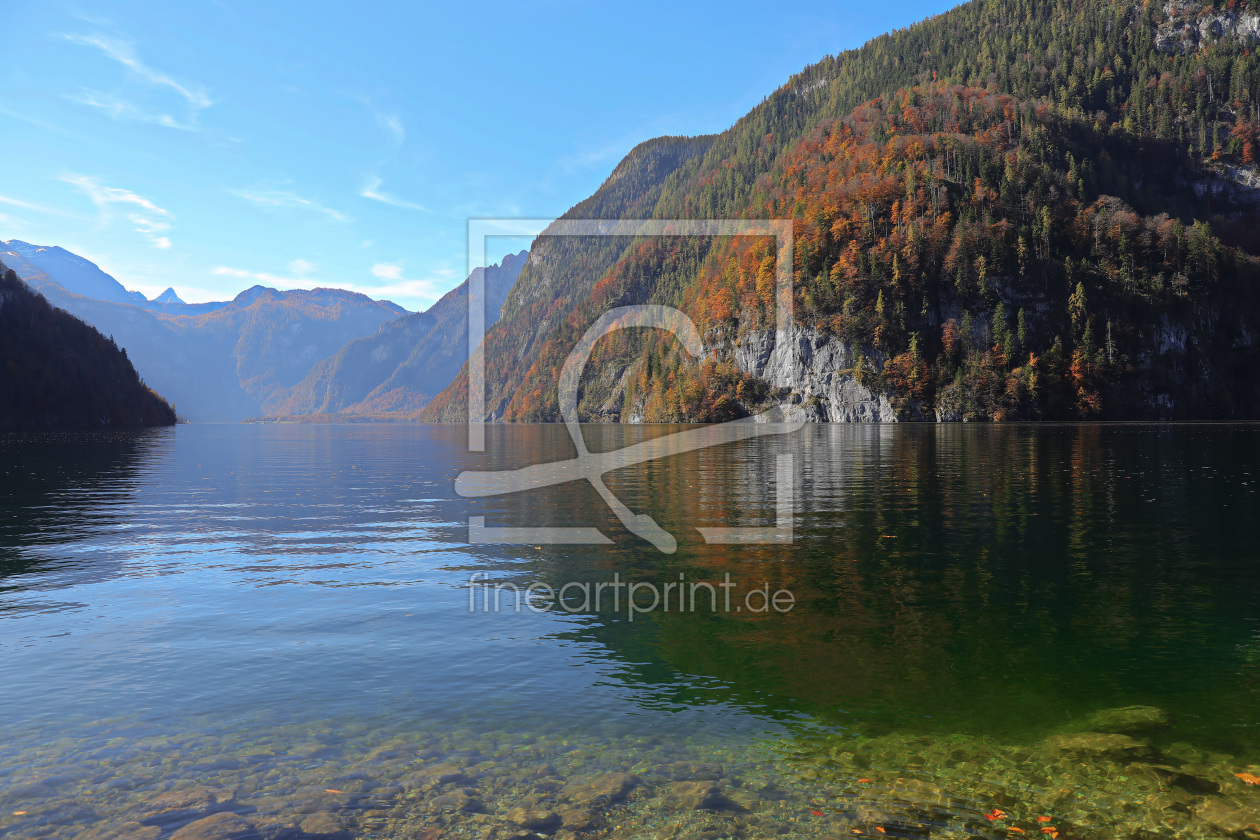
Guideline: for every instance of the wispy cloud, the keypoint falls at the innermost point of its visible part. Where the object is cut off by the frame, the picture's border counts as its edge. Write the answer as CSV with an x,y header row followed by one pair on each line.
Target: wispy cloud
x,y
589,158
150,220
88,18
388,271
392,123
46,126
38,208
372,189
303,275
297,278
123,109
122,51
287,199
400,286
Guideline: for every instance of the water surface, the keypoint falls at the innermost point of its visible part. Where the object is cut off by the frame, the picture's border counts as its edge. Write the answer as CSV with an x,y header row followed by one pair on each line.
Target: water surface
x,y
243,605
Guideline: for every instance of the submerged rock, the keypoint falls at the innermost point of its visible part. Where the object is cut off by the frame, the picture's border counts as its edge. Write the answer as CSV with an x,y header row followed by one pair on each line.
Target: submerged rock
x,y
177,806
534,818
221,826
324,825
694,796
918,792
437,774
458,800
1127,720
1099,744
692,771
1176,777
601,790
1222,814
125,831
580,819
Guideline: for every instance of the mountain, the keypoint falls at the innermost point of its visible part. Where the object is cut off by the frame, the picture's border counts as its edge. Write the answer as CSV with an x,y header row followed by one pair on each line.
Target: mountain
x,y
44,265
40,264
396,371
224,363
168,296
56,372
1041,209
561,271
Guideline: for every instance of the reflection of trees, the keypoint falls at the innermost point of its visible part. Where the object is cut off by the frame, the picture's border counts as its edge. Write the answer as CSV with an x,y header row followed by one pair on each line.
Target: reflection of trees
x,y
998,578
61,487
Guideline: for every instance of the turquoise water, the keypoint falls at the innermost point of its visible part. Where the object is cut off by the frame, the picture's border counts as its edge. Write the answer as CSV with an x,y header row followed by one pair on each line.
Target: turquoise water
x,y
258,606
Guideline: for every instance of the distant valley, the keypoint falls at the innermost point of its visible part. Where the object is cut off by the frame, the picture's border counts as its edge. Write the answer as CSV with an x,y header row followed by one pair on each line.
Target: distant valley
x,y
396,371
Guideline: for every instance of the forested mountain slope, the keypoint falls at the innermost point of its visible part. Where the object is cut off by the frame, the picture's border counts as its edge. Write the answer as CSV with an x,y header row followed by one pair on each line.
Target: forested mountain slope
x,y
1014,209
560,271
56,372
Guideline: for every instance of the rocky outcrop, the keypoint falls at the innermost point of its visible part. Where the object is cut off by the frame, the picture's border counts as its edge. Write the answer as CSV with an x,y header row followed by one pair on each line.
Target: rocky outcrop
x,y
1191,25
819,372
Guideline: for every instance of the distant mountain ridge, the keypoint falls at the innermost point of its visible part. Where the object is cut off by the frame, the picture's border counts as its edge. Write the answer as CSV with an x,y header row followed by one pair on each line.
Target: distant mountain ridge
x,y
57,372
396,371
226,363
218,361
39,264
271,353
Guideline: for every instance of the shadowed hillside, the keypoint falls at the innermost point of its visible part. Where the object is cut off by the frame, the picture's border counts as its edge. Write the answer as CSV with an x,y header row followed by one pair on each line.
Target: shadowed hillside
x,y
56,372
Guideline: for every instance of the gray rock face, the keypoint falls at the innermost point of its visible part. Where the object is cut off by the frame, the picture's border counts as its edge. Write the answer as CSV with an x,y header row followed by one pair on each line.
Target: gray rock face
x,y
1192,25
818,370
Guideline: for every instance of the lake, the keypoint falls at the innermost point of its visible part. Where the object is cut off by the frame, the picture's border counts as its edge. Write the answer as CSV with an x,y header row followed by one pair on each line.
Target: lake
x,y
270,630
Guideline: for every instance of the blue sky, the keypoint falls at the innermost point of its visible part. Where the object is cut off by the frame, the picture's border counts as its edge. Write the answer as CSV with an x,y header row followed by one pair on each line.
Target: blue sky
x,y
210,146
